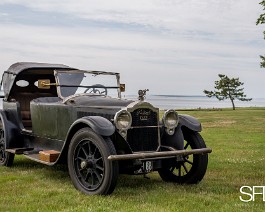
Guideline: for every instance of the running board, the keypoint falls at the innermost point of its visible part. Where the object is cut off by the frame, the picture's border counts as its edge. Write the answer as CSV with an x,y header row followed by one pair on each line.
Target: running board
x,y
36,157
19,151
157,155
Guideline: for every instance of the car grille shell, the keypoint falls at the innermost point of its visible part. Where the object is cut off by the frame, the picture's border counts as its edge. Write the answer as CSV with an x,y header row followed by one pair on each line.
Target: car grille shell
x,y
144,132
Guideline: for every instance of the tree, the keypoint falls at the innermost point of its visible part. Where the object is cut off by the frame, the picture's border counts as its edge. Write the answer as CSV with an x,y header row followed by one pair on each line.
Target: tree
x,y
227,88
261,20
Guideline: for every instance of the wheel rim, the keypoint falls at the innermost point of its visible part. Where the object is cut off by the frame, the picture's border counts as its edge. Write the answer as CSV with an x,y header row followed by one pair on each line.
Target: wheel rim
x,y
89,165
184,166
2,146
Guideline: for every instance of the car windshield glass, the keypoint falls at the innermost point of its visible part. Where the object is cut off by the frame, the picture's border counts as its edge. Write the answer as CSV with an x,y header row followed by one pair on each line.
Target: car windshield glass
x,y
93,83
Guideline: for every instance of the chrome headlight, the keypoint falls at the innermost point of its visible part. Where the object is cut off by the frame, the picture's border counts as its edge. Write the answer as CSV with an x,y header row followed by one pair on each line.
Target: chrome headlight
x,y
170,120
123,120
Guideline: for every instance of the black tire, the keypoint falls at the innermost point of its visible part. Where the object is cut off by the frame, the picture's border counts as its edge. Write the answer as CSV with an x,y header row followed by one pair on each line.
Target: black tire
x,y
6,158
193,167
89,169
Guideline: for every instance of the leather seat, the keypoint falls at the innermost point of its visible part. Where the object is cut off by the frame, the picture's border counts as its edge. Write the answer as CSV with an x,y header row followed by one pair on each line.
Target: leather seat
x,y
24,101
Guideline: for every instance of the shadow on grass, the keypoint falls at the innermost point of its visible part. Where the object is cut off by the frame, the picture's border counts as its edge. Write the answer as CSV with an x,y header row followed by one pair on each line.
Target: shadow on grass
x,y
58,172
133,185
130,185
24,163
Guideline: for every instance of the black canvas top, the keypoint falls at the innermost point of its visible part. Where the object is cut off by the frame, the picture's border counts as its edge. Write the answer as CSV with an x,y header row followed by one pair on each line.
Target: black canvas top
x,y
10,74
16,68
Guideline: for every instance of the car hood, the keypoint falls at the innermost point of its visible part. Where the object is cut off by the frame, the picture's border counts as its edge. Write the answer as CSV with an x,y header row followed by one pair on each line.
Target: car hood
x,y
98,101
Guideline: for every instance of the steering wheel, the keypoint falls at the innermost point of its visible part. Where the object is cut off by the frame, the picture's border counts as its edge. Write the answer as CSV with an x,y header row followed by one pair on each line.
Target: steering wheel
x,y
97,89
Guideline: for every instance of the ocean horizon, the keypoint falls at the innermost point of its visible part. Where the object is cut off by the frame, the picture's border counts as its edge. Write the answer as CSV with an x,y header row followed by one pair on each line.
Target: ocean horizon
x,y
195,102
192,102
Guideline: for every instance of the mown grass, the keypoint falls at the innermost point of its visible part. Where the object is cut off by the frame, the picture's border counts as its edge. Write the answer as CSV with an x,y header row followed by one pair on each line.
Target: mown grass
x,y
238,158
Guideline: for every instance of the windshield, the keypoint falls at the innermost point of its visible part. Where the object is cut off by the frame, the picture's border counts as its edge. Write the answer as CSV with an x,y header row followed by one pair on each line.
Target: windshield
x,y
92,83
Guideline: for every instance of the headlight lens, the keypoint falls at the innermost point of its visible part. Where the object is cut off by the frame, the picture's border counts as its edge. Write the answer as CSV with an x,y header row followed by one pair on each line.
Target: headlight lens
x,y
123,120
170,119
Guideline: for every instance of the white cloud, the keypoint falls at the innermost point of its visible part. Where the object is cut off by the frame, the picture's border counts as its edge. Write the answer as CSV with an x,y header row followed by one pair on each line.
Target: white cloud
x,y
179,45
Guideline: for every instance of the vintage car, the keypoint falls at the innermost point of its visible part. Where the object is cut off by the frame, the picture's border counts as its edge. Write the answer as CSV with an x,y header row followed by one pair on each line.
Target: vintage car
x,y
57,114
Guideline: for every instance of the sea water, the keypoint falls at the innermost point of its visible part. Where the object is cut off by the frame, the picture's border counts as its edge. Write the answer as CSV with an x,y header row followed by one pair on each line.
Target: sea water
x,y
196,102
192,102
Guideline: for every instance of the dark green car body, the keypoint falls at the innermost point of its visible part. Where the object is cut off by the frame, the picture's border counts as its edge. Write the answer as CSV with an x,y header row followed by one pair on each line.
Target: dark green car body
x,y
35,119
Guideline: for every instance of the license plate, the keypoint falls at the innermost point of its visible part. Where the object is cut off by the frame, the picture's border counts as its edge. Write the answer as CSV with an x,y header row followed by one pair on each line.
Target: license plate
x,y
147,166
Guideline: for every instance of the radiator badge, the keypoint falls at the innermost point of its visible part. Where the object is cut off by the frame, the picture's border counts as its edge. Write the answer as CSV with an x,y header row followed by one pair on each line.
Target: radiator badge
x,y
143,114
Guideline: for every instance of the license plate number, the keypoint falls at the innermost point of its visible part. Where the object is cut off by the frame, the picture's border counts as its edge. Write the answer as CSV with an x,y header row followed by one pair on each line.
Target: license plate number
x,y
147,166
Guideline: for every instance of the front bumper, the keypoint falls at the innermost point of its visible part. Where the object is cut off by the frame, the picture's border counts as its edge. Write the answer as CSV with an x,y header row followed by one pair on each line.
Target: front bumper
x,y
157,155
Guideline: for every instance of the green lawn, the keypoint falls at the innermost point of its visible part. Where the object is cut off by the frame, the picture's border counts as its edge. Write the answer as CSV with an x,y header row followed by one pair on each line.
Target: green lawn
x,y
238,158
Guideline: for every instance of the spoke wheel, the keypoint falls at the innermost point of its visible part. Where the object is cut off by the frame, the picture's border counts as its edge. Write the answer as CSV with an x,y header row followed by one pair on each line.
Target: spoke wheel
x,y
6,158
191,169
90,170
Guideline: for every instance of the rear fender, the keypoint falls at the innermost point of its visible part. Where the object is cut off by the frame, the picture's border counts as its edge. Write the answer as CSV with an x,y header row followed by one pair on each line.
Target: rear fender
x,y
12,135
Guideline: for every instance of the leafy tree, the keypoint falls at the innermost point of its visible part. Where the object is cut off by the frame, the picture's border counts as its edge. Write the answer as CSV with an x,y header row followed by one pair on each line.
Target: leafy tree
x,y
228,88
261,20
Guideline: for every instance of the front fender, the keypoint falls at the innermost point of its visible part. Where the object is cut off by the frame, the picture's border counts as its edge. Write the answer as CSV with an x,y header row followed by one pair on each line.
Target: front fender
x,y
177,139
190,122
100,125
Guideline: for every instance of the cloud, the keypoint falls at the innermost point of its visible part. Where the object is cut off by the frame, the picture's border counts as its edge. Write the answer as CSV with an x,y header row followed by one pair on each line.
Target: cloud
x,y
172,15
179,45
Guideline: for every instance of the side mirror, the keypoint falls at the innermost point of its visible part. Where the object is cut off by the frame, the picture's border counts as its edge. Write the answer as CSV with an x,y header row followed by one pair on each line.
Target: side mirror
x,y
45,84
122,87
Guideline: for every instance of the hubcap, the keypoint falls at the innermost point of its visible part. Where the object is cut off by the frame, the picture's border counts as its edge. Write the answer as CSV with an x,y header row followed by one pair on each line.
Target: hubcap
x,y
83,164
88,164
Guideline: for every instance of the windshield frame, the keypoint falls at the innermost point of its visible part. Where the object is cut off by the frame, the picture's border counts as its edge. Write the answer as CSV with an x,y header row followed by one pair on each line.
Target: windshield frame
x,y
56,72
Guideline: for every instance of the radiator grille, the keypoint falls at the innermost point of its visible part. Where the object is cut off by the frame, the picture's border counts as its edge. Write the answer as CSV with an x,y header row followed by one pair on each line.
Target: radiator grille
x,y
144,133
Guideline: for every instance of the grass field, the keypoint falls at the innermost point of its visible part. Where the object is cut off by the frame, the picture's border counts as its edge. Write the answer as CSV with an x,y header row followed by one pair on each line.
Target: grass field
x,y
238,158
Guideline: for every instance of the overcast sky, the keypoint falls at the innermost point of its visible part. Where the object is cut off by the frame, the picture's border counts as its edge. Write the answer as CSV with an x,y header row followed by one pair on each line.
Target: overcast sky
x,y
175,47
